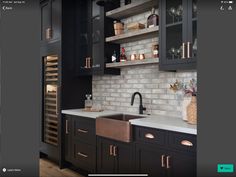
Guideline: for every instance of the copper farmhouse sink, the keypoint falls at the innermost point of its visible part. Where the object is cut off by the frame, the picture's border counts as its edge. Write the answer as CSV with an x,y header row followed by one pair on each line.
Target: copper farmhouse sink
x,y
116,126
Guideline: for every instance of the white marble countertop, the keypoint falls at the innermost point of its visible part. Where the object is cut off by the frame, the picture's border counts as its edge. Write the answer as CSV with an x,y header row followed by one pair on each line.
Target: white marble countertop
x,y
93,115
152,121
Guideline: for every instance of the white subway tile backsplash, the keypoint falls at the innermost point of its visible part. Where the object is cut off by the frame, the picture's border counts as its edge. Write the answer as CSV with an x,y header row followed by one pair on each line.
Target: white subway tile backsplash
x,y
114,92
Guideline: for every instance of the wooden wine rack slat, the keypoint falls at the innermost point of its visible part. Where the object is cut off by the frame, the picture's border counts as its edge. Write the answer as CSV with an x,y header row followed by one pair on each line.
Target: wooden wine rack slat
x,y
51,100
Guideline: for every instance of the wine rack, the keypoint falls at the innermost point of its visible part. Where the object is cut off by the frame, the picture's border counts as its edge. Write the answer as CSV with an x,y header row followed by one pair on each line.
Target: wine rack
x,y
51,100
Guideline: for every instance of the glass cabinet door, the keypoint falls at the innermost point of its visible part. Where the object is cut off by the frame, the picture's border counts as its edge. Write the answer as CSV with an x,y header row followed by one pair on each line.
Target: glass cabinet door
x,y
97,37
175,30
192,39
83,25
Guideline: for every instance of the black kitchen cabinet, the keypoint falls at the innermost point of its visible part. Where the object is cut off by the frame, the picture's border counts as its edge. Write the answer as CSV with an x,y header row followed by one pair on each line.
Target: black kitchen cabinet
x,y
114,157
83,38
50,21
61,87
80,142
106,160
60,90
67,130
93,27
164,153
178,34
149,160
181,164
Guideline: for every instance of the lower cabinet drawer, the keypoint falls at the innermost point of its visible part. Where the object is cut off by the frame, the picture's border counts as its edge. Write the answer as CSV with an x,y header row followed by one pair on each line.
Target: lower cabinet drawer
x,y
84,156
84,130
150,135
183,142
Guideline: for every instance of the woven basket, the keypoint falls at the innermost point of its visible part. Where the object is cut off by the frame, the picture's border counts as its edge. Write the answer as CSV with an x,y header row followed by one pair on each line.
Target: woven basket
x,y
192,111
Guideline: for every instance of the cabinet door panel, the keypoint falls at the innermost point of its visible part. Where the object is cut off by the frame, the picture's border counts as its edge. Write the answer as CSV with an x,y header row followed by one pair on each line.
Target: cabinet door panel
x,y
125,158
84,156
192,29
98,44
45,18
149,160
106,161
175,29
83,36
84,130
67,134
176,35
51,20
56,19
182,165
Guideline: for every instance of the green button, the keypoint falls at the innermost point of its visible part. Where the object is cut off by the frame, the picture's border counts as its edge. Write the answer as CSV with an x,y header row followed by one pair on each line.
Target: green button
x,y
225,168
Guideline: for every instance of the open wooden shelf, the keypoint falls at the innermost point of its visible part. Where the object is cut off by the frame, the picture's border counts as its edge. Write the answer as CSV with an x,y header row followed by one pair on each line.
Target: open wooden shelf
x,y
132,9
134,35
133,63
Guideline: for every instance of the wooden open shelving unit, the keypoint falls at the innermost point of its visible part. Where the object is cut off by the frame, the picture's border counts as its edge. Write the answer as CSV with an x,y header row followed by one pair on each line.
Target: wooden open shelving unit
x,y
129,10
134,35
133,63
132,9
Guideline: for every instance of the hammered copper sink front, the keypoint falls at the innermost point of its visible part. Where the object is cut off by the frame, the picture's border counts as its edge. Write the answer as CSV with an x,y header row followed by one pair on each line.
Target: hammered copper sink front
x,y
116,126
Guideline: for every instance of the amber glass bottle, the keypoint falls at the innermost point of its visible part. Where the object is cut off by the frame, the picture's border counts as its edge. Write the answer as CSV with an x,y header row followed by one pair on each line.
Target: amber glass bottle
x,y
122,55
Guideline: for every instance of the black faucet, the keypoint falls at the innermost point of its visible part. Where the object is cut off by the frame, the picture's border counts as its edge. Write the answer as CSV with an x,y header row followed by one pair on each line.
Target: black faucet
x,y
141,108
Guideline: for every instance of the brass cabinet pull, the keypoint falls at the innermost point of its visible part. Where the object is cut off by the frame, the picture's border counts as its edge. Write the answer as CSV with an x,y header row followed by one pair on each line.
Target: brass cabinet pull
x,y
186,143
149,136
82,155
67,131
82,131
183,51
88,63
114,150
111,150
48,33
189,50
162,161
168,162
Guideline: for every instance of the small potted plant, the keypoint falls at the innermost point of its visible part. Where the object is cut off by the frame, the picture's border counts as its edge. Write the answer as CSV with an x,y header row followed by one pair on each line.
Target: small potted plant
x,y
191,88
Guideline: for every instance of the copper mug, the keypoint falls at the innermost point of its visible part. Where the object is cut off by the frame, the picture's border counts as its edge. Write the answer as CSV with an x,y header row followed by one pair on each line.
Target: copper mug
x,y
141,56
133,57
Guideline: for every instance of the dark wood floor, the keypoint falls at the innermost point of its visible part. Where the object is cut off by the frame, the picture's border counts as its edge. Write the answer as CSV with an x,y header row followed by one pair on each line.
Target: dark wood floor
x,y
50,169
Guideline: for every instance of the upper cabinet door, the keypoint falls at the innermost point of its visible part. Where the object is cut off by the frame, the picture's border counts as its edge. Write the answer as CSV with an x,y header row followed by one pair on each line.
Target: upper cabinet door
x,y
176,34
50,20
45,19
97,38
192,30
83,44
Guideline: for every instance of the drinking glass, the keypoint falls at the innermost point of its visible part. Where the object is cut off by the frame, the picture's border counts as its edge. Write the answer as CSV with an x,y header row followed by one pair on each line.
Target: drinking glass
x,y
172,52
172,13
179,12
194,9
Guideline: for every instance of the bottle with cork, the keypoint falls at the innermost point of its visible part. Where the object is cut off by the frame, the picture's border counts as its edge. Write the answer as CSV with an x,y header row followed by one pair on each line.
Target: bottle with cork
x,y
153,19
